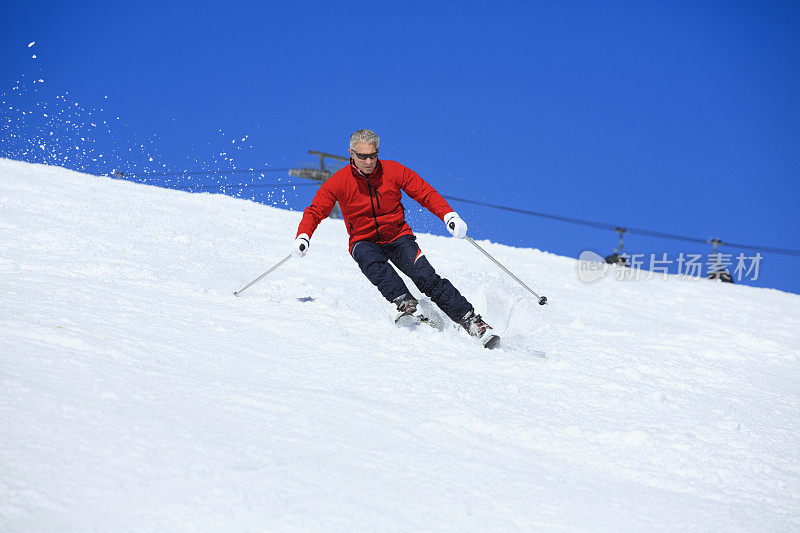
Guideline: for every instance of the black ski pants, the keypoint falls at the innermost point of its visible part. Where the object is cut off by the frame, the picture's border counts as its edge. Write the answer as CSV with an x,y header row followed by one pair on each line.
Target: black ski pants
x,y
373,259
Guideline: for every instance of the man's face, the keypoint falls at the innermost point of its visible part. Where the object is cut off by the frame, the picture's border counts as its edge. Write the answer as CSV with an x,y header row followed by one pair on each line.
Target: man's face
x,y
367,165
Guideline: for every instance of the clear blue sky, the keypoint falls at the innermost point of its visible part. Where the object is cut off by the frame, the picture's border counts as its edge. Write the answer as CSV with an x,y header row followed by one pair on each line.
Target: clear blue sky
x,y
680,117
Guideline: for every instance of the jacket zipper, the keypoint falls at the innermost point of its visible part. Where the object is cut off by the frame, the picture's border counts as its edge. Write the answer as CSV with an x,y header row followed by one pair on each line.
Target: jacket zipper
x,y
374,216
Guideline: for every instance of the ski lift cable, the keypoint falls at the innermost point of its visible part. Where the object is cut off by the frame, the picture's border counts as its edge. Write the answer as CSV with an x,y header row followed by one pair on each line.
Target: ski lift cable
x,y
638,231
215,187
190,173
572,220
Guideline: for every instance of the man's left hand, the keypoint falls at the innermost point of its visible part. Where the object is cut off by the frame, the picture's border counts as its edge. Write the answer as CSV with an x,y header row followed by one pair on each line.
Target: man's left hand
x,y
456,226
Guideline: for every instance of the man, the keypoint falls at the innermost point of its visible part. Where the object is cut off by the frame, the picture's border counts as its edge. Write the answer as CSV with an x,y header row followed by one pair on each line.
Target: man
x,y
369,192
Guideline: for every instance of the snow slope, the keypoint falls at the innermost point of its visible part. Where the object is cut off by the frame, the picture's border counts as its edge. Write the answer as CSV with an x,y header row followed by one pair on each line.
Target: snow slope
x,y
137,393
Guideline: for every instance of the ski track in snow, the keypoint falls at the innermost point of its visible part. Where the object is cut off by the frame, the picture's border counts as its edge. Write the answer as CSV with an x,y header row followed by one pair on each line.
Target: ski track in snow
x,y
139,394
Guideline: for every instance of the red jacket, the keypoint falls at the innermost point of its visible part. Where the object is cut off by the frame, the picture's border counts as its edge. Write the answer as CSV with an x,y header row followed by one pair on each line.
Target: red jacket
x,y
371,205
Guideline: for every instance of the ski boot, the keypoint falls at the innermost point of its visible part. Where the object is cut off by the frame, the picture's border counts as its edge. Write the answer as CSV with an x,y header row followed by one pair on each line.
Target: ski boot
x,y
407,314
479,329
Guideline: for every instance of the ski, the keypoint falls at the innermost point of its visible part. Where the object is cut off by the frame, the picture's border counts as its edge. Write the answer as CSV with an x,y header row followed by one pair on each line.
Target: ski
x,y
491,341
412,320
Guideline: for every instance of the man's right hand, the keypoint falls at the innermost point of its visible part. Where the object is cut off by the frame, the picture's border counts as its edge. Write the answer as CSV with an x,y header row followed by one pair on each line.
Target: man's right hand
x,y
300,246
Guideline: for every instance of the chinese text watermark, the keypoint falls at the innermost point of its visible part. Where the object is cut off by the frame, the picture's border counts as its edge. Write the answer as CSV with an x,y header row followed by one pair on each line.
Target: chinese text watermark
x,y
592,267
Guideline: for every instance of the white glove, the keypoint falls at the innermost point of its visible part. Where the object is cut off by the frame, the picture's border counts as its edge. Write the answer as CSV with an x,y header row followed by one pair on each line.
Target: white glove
x,y
456,226
300,246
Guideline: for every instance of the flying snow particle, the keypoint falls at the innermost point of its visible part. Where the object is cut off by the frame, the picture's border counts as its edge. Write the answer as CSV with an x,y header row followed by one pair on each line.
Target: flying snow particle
x,y
33,56
31,44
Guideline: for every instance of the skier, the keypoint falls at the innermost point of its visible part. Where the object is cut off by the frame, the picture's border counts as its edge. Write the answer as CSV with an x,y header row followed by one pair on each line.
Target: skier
x,y
369,192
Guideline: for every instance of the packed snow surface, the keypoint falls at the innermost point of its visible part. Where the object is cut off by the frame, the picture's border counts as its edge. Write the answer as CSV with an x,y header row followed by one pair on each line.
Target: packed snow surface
x,y
139,394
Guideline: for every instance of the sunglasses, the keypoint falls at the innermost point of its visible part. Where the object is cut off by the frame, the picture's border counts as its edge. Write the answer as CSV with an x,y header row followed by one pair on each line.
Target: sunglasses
x,y
363,157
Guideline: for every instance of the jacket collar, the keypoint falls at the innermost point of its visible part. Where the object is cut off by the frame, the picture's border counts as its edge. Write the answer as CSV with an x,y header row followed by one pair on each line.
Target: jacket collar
x,y
357,173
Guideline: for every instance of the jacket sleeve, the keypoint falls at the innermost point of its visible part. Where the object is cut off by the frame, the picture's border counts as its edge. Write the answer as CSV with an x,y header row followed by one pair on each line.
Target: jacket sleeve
x,y
421,191
321,206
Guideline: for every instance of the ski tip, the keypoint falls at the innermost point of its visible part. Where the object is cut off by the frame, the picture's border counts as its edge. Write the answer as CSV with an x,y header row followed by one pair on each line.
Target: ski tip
x,y
492,342
406,320
409,320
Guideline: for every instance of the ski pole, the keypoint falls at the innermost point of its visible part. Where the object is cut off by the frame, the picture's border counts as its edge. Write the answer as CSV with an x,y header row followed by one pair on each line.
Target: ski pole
x,y
262,276
542,299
